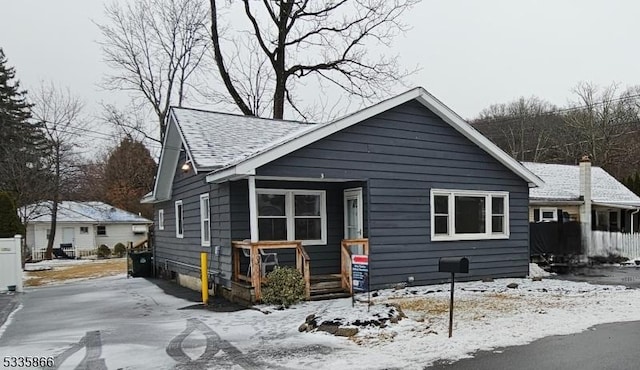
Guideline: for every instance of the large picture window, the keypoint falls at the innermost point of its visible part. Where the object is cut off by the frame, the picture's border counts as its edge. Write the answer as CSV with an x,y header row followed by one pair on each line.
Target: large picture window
x,y
205,220
179,220
292,215
469,215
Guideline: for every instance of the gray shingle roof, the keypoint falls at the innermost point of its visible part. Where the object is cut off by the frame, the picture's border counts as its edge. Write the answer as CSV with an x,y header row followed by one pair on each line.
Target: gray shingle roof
x,y
217,140
562,182
83,212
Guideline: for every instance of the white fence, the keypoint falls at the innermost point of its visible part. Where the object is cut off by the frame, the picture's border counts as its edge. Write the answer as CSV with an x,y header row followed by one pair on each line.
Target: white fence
x,y
38,254
11,264
606,243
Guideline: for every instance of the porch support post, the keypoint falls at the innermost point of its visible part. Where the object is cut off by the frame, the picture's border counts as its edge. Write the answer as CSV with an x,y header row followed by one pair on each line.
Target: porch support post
x,y
253,210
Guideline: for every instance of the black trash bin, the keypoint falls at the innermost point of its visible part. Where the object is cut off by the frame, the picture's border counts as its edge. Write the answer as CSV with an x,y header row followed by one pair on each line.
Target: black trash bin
x,y
141,264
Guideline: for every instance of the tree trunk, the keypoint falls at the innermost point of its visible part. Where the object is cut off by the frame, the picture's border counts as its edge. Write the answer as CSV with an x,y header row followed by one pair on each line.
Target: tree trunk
x,y
54,208
279,94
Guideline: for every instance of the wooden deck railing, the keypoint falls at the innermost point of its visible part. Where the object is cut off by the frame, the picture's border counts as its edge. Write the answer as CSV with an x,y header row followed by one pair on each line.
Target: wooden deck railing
x,y
256,279
345,256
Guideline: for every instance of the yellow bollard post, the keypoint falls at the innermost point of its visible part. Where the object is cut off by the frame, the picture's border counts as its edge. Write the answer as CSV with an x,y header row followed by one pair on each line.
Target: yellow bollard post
x,y
204,277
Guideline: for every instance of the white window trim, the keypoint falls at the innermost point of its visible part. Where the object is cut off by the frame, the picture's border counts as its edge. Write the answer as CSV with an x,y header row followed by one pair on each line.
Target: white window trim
x,y
451,236
290,211
553,211
178,218
161,219
205,216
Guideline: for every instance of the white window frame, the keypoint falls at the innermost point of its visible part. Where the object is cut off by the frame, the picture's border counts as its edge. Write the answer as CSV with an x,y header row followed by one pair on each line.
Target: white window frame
x,y
161,219
554,212
289,200
98,230
488,234
179,219
205,217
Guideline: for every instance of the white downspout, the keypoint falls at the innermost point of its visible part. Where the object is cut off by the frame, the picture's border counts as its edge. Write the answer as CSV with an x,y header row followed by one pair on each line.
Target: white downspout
x,y
633,213
585,209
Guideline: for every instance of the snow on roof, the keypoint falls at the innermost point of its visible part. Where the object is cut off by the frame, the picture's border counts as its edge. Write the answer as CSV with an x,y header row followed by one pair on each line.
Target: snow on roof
x,y
216,140
92,212
562,182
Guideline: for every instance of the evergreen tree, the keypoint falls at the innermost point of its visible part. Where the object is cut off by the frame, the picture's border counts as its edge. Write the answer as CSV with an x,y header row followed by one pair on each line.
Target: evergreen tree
x,y
10,224
23,141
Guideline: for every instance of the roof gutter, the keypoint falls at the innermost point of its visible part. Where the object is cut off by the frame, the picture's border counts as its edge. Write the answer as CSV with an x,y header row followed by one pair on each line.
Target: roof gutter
x,y
228,174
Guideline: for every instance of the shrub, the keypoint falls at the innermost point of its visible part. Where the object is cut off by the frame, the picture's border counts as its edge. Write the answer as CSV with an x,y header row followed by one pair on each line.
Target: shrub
x,y
285,286
103,251
119,250
10,224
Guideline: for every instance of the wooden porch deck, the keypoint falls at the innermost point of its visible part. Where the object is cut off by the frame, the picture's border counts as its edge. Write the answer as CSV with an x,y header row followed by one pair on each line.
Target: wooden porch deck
x,y
317,287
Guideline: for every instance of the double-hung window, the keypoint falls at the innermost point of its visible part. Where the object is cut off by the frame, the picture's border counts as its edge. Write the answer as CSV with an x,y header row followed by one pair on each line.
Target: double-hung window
x,y
292,215
179,220
469,215
205,220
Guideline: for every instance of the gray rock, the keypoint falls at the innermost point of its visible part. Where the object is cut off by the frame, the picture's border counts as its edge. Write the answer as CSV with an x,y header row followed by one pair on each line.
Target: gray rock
x,y
512,285
346,332
304,327
331,329
487,280
536,278
311,318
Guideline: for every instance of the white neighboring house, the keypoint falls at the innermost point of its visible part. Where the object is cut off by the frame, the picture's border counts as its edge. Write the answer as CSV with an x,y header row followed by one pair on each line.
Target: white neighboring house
x,y
83,226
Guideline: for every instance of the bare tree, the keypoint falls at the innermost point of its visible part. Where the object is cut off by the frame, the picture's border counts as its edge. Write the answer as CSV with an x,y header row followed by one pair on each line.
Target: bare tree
x,y
155,47
297,39
60,114
524,128
600,124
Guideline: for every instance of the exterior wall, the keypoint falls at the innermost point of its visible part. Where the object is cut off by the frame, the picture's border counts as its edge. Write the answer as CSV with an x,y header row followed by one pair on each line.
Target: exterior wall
x,y
325,259
574,211
403,153
182,255
116,233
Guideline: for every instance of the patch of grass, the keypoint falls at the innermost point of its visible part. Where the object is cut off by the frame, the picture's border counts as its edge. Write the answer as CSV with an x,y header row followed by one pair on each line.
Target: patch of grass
x,y
496,302
89,270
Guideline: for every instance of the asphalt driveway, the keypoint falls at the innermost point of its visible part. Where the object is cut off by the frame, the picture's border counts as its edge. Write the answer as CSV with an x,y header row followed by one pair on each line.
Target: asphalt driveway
x,y
628,276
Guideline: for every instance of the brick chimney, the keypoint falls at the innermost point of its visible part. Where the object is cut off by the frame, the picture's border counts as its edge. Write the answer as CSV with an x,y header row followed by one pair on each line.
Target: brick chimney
x,y
585,208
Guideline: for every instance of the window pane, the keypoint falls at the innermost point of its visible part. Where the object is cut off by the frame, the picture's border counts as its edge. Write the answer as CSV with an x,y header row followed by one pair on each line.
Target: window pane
x,y
206,230
497,224
307,205
272,228
308,229
271,204
497,205
547,215
179,216
470,215
441,225
441,204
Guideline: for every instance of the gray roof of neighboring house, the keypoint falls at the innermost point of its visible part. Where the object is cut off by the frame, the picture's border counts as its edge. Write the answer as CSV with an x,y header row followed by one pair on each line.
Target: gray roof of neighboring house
x,y
83,212
216,140
562,183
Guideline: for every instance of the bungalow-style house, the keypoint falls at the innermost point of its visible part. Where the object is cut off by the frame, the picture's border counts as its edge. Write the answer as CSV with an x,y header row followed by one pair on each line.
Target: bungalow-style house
x,y
406,181
563,197
604,211
81,227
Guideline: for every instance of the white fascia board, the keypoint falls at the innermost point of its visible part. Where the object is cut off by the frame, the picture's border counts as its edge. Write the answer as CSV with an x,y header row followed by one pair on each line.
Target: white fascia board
x,y
230,173
184,143
168,161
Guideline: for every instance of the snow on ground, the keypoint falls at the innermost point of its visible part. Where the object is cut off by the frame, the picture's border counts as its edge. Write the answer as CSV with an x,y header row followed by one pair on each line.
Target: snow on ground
x,y
537,271
488,315
55,263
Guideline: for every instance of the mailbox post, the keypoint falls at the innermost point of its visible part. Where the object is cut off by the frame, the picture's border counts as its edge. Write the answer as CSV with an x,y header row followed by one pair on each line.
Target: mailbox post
x,y
453,265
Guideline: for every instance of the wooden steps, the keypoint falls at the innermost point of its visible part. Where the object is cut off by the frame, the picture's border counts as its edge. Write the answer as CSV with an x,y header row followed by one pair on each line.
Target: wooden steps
x,y
327,287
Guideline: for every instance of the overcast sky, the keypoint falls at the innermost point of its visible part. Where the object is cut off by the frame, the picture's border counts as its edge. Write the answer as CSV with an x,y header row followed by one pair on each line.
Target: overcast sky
x,y
472,53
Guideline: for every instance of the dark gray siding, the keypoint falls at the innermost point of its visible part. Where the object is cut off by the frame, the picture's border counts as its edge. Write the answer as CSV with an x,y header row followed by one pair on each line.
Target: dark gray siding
x,y
182,255
402,154
325,259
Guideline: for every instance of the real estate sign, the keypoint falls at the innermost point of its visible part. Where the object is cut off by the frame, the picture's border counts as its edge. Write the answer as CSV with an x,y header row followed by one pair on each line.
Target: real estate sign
x,y
360,273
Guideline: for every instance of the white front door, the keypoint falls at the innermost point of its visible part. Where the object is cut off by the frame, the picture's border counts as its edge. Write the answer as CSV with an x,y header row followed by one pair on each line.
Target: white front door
x,y
67,235
353,214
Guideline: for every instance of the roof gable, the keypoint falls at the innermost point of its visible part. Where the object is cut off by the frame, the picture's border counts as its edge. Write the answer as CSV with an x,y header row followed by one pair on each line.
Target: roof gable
x,y
246,166
562,183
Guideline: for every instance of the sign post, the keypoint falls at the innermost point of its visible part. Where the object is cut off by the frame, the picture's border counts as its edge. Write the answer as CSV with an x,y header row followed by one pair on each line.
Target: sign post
x,y
360,276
